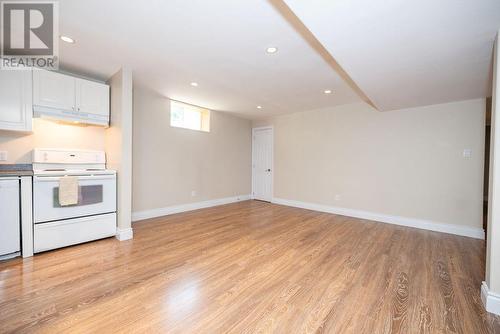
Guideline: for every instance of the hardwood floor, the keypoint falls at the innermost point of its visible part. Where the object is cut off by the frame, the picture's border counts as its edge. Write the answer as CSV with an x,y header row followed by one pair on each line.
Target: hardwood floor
x,y
252,267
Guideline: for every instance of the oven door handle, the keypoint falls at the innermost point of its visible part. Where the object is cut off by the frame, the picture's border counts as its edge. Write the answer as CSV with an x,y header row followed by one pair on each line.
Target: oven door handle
x,y
80,178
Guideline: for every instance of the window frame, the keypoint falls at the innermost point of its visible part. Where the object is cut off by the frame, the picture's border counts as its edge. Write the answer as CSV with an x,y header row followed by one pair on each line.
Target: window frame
x,y
204,115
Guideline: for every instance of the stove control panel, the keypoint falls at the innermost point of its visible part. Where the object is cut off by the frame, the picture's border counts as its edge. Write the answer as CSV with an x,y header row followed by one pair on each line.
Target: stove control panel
x,y
58,156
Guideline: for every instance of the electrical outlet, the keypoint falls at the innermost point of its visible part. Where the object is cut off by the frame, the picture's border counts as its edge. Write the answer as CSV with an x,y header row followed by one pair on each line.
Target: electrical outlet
x,y
3,155
193,193
467,153
338,197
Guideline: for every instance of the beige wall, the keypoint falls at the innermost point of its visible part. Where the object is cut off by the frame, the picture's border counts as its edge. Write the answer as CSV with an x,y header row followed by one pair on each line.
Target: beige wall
x,y
49,134
169,163
404,163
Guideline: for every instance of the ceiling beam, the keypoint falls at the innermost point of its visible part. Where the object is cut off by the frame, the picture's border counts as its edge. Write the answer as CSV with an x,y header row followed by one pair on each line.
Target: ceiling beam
x,y
309,37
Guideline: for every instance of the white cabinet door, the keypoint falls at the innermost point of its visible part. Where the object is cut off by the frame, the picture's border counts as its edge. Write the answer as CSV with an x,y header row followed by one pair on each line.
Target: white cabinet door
x,y
53,90
10,221
92,97
15,100
68,98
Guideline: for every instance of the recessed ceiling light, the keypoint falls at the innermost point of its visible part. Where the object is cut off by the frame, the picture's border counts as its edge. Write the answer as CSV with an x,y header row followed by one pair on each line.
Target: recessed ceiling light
x,y
194,84
67,39
259,107
272,49
327,91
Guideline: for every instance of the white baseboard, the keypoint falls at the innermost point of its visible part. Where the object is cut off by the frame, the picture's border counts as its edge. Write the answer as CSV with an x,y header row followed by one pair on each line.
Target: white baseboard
x,y
169,210
477,233
9,256
491,301
124,234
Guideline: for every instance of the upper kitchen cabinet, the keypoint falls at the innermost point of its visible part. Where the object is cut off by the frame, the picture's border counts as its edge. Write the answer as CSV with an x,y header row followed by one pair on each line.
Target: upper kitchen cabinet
x,y
92,97
69,98
53,90
15,100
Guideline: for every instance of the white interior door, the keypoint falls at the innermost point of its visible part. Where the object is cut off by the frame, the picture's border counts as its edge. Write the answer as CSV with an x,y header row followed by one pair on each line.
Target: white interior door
x,y
262,164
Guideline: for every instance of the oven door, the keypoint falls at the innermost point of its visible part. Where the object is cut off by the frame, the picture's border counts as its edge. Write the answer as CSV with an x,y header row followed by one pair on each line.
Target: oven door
x,y
96,195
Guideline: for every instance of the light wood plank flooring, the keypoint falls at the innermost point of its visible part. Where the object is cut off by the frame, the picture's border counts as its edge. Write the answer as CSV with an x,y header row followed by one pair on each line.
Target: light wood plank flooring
x,y
252,267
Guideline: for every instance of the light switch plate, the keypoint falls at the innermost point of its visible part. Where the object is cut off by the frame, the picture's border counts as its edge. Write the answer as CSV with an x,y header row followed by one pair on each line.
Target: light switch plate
x,y
467,153
3,155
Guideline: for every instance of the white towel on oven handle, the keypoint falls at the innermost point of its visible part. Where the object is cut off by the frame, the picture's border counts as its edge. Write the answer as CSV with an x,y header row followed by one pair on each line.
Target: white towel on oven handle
x,y
68,190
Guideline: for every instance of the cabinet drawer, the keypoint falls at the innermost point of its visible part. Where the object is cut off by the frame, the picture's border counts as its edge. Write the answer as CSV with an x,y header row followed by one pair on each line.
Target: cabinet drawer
x,y
64,233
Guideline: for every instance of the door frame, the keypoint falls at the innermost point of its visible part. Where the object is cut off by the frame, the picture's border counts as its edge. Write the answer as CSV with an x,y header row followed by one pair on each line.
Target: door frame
x,y
271,200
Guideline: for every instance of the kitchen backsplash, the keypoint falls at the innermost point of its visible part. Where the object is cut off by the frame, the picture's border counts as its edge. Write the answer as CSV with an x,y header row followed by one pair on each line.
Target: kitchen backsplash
x,y
49,134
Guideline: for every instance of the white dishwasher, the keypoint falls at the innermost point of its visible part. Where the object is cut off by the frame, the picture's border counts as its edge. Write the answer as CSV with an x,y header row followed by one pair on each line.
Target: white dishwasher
x,y
10,211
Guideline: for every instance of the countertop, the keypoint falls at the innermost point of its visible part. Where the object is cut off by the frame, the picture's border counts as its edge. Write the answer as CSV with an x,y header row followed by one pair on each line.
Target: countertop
x,y
16,170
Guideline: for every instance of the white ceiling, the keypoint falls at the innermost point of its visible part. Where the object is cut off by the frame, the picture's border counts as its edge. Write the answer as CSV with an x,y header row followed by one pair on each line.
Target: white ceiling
x,y
220,44
399,53
408,53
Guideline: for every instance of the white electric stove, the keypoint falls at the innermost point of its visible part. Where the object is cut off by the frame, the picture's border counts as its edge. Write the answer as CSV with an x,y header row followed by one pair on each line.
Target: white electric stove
x,y
93,217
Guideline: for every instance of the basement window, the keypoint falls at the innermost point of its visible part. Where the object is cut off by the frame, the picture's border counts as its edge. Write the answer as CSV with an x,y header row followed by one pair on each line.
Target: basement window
x,y
187,116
